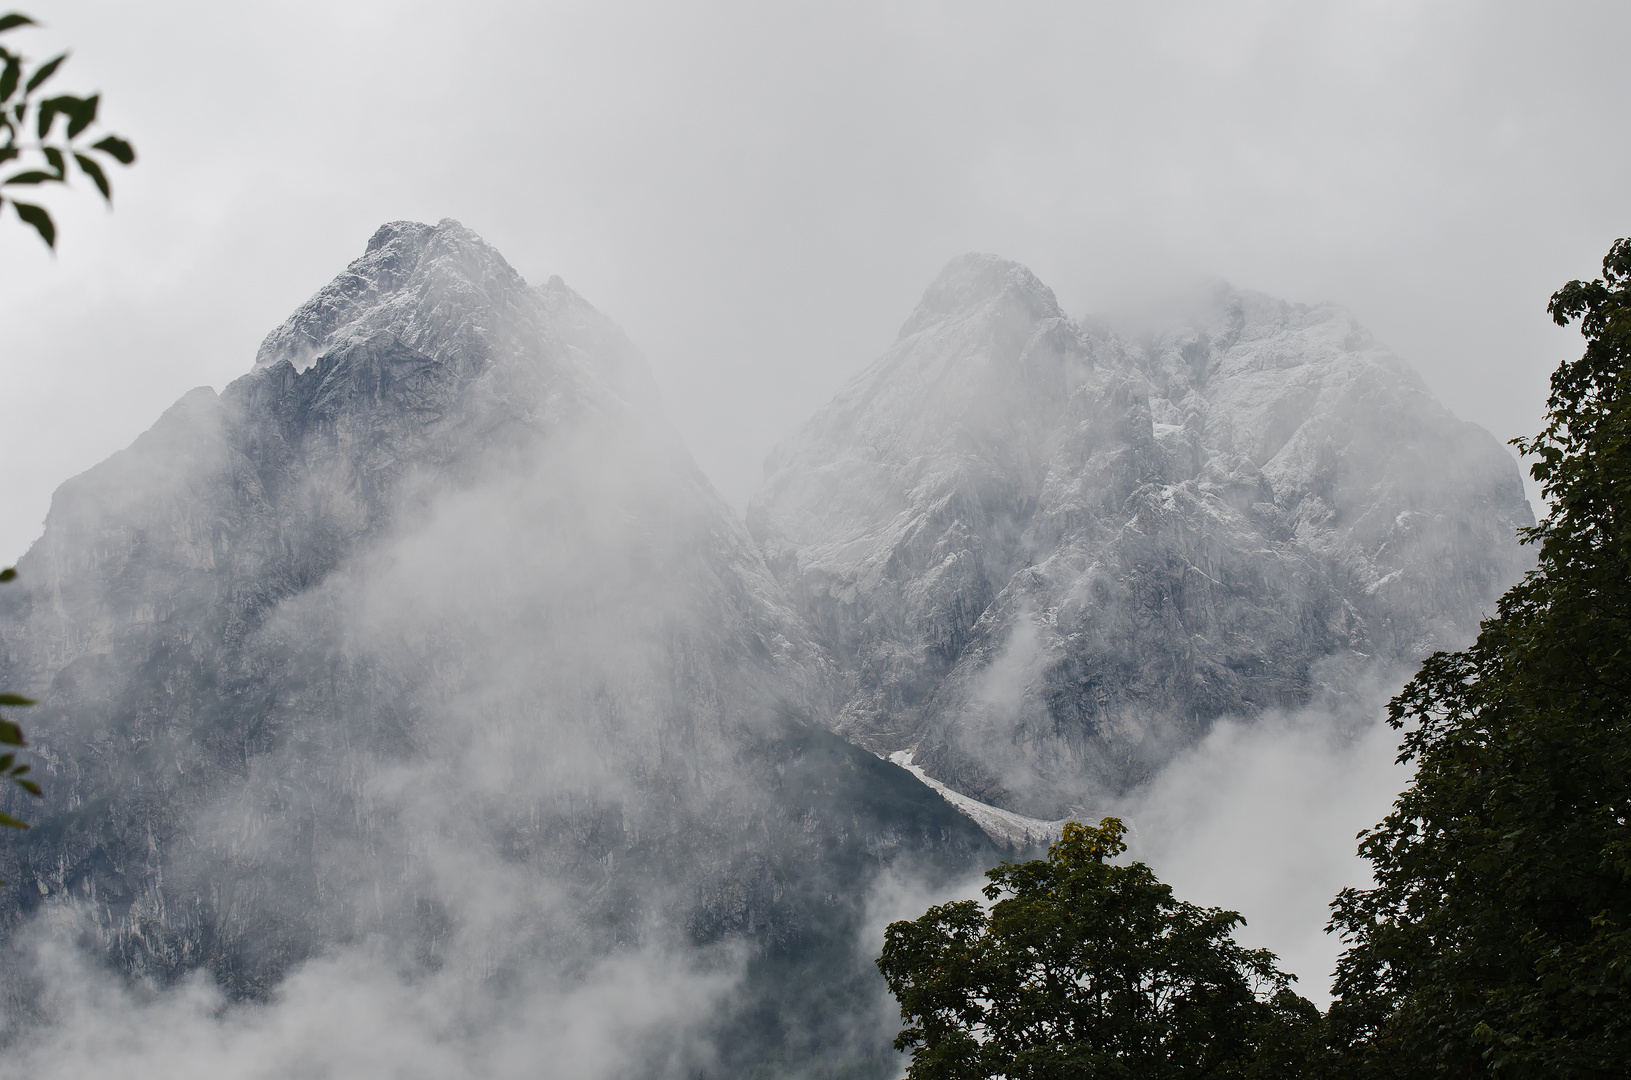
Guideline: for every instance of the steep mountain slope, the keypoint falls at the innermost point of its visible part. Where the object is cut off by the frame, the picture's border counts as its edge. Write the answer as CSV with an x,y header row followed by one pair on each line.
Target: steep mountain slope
x,y
1047,557
427,638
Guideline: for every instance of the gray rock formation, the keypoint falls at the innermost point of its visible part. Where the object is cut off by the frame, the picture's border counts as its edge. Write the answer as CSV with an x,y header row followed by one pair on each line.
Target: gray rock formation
x,y
426,643
1046,557
426,636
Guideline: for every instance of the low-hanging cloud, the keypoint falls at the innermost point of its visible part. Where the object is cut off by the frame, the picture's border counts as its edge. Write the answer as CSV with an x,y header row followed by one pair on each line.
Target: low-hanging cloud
x,y
355,1014
1261,817
461,862
460,727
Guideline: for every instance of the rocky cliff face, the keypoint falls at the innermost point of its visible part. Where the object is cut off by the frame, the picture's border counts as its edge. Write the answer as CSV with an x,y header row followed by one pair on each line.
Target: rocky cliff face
x,y
1047,557
426,643
427,636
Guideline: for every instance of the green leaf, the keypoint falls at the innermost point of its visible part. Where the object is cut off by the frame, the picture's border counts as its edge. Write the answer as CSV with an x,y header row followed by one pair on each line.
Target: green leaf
x,y
117,148
7,761
32,176
83,116
31,787
1489,944
37,217
16,699
79,111
47,116
44,72
8,78
11,734
9,822
14,20
8,574
90,168
53,155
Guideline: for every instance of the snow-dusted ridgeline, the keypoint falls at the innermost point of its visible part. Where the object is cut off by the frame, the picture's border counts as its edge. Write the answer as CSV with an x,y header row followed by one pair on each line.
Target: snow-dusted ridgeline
x,y
1048,556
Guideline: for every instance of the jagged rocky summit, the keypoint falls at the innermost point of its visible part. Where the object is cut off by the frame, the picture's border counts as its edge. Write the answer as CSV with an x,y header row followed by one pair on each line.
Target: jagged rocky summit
x,y
1046,556
426,638
425,645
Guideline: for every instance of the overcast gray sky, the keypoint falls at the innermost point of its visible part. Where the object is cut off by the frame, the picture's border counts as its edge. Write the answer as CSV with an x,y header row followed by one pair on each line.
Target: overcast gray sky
x,y
759,192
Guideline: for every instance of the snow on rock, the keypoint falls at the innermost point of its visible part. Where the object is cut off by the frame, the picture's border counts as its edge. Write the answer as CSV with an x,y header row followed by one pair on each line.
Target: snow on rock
x,y
427,632
1047,556
1015,832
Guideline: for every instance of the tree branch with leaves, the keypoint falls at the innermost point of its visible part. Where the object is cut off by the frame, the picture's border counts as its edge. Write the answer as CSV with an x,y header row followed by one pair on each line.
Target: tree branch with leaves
x,y
61,126
1497,938
1080,968
45,134
11,740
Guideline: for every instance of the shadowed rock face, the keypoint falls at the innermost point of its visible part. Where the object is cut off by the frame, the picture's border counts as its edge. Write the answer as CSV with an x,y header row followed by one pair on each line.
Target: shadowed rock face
x,y
1047,557
427,635
426,640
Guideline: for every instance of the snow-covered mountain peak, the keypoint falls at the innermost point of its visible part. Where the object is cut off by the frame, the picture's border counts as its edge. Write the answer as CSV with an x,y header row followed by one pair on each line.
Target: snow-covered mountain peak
x,y
1050,557
425,633
445,294
408,280
976,284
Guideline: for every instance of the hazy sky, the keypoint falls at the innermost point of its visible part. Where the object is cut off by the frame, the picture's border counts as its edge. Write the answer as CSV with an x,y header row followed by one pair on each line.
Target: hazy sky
x,y
759,192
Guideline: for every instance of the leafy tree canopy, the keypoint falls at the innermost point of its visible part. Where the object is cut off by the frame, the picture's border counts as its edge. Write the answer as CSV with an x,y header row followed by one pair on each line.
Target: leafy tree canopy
x,y
1083,968
47,135
52,146
1497,940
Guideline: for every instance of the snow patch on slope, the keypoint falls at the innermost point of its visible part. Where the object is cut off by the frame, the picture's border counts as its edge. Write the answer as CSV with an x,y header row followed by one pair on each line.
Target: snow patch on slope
x,y
1007,828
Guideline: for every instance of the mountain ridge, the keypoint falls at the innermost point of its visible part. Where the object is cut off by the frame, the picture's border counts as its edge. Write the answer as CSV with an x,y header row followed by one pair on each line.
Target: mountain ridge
x,y
426,640
1001,461
428,633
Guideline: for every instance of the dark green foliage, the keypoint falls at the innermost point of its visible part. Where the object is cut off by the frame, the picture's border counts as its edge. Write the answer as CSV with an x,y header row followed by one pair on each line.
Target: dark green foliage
x,y
54,149
1497,940
11,735
1087,969
78,115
